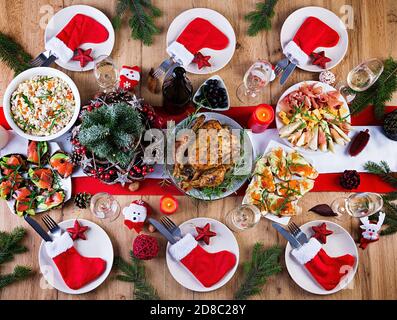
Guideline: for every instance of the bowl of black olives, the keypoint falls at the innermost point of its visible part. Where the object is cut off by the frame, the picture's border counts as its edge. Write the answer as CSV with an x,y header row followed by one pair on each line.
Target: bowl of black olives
x,y
212,95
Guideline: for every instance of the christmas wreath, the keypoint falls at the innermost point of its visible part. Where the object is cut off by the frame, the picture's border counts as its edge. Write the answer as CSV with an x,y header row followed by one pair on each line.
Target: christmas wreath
x,y
108,140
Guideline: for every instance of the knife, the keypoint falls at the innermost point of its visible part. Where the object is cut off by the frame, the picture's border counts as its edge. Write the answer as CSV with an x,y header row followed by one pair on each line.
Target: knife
x,y
38,228
288,71
168,235
291,239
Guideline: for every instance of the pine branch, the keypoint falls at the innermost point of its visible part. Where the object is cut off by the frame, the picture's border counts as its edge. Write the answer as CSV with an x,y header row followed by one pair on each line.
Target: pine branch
x,y
383,171
13,55
19,273
134,272
260,19
380,93
10,244
263,264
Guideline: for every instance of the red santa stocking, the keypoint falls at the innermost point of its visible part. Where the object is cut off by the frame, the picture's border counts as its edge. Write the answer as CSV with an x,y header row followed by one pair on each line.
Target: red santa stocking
x,y
326,270
208,268
198,34
312,34
76,270
79,30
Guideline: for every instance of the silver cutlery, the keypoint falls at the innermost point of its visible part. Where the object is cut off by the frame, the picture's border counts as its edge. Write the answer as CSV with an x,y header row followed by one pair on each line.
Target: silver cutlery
x,y
288,71
52,226
288,236
44,59
163,68
297,233
171,226
163,230
38,228
280,66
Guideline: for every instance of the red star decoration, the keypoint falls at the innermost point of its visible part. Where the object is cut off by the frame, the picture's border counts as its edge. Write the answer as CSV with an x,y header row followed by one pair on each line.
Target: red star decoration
x,y
205,234
77,232
202,61
321,233
319,59
83,56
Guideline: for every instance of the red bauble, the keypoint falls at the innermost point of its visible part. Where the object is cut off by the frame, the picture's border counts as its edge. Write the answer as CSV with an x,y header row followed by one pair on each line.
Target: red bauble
x,y
77,232
145,247
321,233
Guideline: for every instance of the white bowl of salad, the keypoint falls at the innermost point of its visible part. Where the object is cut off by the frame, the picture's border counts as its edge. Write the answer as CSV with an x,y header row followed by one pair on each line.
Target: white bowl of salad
x,y
41,104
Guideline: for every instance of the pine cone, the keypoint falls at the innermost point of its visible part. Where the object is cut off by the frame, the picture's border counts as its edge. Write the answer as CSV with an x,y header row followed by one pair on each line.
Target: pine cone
x,y
76,158
350,179
390,125
82,199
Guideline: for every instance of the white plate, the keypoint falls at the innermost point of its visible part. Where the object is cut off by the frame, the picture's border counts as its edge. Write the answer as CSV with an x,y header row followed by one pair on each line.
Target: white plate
x,y
224,240
326,88
19,145
219,58
295,20
27,75
61,19
338,244
97,245
221,85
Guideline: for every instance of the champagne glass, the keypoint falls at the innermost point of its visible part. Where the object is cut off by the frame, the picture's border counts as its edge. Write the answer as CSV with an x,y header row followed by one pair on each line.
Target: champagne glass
x,y
243,217
106,73
104,206
361,78
255,80
358,205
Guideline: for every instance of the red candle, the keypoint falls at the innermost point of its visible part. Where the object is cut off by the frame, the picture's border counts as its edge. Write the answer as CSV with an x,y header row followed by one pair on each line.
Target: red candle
x,y
261,118
168,204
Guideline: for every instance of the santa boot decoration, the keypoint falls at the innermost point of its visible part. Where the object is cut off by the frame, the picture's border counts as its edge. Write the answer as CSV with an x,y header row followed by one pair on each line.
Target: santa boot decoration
x,y
208,268
312,34
135,215
198,34
129,77
76,270
370,230
79,30
326,270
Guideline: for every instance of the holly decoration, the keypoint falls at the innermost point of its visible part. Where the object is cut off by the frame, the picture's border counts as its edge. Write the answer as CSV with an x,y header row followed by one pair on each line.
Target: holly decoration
x,y
319,59
145,247
84,56
204,234
321,233
201,60
82,199
78,231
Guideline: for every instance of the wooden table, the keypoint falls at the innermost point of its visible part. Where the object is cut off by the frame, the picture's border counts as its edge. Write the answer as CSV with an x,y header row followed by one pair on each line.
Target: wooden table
x,y
373,35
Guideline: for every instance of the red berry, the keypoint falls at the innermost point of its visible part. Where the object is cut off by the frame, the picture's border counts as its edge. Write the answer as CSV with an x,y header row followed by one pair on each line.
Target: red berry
x,y
138,170
144,110
89,108
111,172
151,169
93,171
107,176
102,176
132,173
100,169
150,113
144,173
97,104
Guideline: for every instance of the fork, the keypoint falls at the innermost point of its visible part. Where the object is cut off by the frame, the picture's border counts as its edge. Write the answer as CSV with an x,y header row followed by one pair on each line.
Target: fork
x,y
281,65
44,59
52,226
297,233
163,68
171,226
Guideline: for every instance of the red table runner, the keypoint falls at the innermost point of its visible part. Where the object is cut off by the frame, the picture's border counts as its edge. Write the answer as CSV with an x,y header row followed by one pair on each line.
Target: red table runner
x,y
325,182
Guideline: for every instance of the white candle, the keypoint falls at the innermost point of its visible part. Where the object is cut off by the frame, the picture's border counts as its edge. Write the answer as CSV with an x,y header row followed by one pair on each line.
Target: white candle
x,y
4,137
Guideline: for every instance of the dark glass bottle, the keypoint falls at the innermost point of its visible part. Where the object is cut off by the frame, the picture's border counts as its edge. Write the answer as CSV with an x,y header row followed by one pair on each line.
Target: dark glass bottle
x,y
177,92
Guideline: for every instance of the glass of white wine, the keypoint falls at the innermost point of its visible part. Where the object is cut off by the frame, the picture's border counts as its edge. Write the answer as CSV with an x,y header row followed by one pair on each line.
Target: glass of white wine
x,y
106,73
358,205
243,217
361,78
255,80
104,206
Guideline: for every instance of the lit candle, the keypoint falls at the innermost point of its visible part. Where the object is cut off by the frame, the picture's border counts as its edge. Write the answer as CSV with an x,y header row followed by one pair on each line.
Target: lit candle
x,y
261,118
168,204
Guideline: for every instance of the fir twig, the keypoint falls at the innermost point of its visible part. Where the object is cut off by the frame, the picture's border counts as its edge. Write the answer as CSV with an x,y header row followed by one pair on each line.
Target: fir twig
x,y
13,55
134,272
19,273
383,170
141,21
263,264
260,19
380,93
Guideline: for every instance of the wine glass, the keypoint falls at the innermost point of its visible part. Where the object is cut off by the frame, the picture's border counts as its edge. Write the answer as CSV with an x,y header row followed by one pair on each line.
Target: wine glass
x,y
255,80
104,206
361,78
243,217
358,205
106,73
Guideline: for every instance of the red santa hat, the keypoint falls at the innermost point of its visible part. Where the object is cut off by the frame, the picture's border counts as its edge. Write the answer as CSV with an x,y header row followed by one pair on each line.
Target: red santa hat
x,y
135,215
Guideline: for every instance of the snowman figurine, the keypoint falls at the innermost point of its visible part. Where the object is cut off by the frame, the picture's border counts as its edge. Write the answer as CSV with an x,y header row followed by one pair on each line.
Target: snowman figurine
x,y
135,215
129,77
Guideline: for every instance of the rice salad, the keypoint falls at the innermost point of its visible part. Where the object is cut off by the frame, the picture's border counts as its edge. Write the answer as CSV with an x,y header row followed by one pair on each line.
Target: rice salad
x,y
43,105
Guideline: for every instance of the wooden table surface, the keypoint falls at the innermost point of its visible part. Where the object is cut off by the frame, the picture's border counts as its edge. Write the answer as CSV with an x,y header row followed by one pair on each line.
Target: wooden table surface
x,y
373,34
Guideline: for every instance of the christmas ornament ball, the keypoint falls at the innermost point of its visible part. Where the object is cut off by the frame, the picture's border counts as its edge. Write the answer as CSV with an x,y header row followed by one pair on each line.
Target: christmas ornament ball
x,y
145,247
